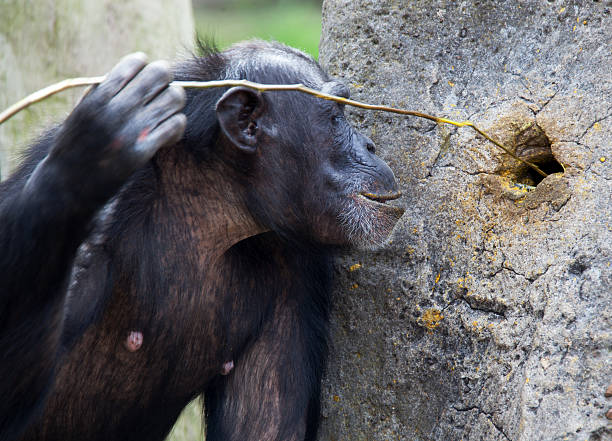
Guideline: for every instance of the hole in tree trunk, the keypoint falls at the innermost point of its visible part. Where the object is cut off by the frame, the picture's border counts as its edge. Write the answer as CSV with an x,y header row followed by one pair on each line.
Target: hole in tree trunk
x,y
532,144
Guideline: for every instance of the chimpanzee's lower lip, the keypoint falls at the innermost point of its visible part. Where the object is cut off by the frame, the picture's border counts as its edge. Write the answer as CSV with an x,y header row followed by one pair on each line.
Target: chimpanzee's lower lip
x,y
382,198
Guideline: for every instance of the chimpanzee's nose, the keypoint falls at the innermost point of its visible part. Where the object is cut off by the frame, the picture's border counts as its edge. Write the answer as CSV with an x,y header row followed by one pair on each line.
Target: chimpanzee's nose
x,y
382,185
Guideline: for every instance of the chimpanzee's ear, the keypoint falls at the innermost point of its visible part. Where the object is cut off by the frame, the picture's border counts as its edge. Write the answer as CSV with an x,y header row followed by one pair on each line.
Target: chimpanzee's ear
x,y
238,111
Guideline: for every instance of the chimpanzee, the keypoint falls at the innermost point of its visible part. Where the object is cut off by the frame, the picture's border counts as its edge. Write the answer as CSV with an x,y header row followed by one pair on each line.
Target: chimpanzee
x,y
208,271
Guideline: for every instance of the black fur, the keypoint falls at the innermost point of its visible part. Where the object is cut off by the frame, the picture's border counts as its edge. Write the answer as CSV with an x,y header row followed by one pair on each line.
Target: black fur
x,y
168,257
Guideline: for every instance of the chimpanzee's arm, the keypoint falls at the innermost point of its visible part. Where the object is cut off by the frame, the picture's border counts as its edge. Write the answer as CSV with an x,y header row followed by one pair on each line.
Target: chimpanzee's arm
x,y
272,391
45,210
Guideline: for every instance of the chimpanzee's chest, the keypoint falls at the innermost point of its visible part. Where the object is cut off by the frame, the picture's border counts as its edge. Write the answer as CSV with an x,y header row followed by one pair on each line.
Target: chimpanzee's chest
x,y
164,334
142,360
180,341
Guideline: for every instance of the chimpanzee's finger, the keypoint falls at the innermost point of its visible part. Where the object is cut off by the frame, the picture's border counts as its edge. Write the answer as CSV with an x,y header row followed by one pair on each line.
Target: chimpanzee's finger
x,y
126,69
168,132
166,103
153,78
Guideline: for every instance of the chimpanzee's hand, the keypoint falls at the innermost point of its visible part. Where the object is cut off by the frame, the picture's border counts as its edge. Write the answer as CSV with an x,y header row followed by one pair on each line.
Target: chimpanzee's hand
x,y
116,129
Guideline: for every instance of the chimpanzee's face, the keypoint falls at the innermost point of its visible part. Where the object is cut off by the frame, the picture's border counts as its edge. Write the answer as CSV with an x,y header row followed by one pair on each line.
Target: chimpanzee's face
x,y
312,176
345,185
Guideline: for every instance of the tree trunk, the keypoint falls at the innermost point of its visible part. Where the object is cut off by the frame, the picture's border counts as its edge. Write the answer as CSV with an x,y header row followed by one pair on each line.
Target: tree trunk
x,y
489,315
45,41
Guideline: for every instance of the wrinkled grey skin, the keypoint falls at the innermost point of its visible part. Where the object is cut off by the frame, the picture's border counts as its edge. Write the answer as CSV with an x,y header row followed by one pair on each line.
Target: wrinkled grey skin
x,y
521,348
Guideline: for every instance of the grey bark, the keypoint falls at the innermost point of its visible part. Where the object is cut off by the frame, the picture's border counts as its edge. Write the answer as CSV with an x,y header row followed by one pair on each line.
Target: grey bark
x,y
489,315
45,41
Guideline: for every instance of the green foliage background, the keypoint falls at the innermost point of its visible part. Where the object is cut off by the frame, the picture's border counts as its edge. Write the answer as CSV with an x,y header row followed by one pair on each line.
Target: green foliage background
x,y
296,23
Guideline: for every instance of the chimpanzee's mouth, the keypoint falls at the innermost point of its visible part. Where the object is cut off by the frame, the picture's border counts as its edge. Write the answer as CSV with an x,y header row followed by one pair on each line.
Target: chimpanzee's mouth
x,y
381,198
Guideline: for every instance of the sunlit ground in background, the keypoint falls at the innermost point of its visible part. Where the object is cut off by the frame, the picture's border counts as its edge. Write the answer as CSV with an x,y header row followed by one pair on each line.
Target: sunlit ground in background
x,y
295,23
189,425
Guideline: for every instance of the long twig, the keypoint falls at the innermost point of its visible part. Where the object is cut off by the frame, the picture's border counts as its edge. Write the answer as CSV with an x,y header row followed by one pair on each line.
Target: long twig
x,y
78,82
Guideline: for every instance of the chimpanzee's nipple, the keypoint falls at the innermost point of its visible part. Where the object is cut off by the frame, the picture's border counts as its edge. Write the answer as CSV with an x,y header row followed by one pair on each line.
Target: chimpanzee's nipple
x,y
227,367
133,342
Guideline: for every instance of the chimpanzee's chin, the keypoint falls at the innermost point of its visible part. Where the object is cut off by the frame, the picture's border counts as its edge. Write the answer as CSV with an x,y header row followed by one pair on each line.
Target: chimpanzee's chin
x,y
368,224
386,219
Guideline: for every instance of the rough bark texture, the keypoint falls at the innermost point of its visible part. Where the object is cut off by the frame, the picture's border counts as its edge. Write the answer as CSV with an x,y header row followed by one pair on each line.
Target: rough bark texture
x,y
489,316
45,41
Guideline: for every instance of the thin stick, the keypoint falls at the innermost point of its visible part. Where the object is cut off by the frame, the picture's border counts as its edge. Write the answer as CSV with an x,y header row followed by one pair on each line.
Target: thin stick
x,y
42,94
78,82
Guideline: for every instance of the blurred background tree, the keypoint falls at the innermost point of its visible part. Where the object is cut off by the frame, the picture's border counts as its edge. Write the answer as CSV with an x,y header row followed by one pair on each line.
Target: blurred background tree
x,y
45,41
293,22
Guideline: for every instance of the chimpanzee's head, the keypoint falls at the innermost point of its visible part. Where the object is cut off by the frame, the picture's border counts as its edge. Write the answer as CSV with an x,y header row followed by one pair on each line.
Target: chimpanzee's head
x,y
308,173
